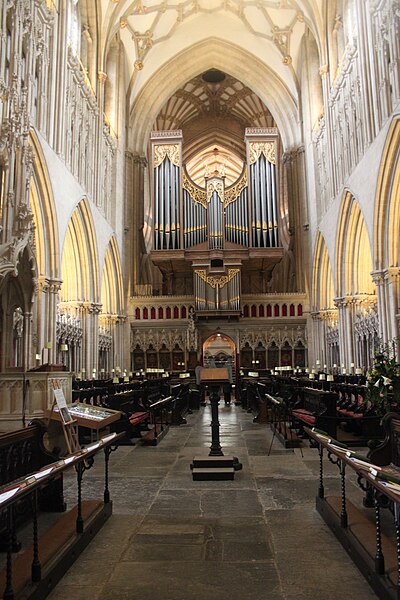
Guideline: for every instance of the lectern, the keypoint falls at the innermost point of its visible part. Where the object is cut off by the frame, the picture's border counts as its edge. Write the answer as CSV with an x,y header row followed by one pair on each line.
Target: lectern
x,y
215,466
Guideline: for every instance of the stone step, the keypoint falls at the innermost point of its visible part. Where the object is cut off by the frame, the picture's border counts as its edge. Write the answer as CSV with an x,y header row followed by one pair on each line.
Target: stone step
x,y
213,474
213,461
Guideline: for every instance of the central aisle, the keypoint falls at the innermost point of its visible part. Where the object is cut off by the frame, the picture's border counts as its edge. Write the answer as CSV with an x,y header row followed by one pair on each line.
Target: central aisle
x,y
258,537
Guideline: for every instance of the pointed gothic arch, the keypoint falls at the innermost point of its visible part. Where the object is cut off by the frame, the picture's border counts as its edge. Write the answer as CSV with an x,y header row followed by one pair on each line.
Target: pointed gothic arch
x,y
112,295
322,280
44,215
387,204
353,251
226,57
79,264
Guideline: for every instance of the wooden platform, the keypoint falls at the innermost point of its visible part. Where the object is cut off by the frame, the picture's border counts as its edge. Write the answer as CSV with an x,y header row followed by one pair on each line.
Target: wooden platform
x,y
59,547
359,541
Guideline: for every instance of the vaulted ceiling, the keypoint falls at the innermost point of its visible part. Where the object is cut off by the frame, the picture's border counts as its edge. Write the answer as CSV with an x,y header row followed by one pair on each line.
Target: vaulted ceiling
x,y
213,111
169,44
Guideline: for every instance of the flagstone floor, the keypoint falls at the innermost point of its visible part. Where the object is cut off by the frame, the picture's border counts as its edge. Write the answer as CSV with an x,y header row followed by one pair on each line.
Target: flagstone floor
x,y
258,537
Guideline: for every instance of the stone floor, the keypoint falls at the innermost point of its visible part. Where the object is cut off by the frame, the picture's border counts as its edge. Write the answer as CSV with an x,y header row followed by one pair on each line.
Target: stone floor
x,y
258,537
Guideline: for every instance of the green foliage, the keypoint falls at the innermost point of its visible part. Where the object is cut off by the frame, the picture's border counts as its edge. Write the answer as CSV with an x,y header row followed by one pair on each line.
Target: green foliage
x,y
384,383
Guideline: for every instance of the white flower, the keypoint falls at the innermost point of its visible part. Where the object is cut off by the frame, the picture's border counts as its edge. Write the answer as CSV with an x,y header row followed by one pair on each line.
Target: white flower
x,y
377,383
387,381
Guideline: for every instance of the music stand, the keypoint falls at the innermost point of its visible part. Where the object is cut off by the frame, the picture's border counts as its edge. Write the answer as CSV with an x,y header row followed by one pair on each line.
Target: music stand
x,y
215,466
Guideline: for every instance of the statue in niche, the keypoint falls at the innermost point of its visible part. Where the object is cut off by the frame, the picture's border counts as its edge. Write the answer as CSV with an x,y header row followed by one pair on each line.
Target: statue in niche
x,y
18,330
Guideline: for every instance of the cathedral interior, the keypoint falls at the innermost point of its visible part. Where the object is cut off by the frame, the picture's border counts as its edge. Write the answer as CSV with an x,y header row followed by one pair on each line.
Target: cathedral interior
x,y
200,183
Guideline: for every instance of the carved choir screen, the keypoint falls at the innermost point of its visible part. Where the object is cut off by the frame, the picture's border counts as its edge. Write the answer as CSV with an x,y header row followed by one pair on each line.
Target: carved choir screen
x,y
215,213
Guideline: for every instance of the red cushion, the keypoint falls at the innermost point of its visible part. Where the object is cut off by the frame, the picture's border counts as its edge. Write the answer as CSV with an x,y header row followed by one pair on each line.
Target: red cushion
x,y
304,416
137,417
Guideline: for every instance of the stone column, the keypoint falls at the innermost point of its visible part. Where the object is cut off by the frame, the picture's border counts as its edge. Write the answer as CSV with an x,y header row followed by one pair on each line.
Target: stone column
x,y
392,284
318,339
296,183
135,205
378,279
50,319
58,92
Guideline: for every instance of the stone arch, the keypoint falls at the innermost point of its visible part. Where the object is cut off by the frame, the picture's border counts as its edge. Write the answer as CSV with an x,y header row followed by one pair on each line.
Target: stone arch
x,y
226,57
44,216
79,265
322,280
387,203
353,251
112,295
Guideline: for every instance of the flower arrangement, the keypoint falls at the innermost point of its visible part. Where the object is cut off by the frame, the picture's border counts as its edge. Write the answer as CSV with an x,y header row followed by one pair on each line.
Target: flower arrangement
x,y
383,382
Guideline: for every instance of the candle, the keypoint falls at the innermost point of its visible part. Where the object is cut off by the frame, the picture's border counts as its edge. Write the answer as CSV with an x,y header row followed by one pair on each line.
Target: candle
x,y
329,378
38,357
344,371
311,376
318,362
358,371
322,377
335,366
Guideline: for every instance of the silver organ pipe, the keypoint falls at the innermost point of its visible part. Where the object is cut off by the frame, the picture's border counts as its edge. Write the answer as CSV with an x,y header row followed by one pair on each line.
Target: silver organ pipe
x,y
156,212
167,191
274,204
245,219
269,197
215,222
167,215
195,218
263,203
161,200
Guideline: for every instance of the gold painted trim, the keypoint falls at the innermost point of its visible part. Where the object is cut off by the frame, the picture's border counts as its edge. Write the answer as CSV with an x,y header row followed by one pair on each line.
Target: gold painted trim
x,y
214,280
196,193
163,150
215,187
234,192
258,148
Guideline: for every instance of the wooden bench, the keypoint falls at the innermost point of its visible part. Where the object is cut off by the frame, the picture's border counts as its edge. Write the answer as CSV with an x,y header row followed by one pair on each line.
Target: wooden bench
x,y
316,408
22,452
371,548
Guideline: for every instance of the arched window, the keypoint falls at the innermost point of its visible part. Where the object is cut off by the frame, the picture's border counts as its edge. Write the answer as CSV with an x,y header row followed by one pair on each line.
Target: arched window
x,y
299,310
269,310
284,310
292,310
276,310
160,312
152,313
145,313
183,312
137,313
245,310
176,312
261,311
168,311
254,310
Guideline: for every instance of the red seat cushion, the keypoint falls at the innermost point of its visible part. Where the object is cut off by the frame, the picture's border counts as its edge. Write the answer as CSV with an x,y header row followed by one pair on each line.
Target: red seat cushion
x,y
137,417
304,416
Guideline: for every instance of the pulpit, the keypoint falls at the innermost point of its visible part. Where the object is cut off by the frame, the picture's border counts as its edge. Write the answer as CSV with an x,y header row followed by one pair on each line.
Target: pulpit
x,y
215,466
